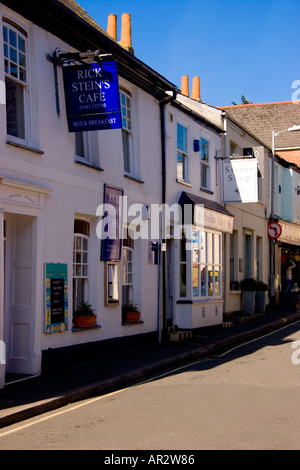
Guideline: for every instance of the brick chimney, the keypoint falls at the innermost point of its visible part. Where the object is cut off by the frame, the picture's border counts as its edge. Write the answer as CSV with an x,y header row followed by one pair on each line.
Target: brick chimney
x,y
196,89
126,32
185,85
112,26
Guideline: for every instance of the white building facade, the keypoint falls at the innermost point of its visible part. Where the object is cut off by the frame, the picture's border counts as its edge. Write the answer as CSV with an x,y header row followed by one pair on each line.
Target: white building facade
x,y
52,183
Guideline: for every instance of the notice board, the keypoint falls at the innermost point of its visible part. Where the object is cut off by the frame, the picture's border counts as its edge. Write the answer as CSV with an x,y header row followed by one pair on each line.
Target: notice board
x,y
56,297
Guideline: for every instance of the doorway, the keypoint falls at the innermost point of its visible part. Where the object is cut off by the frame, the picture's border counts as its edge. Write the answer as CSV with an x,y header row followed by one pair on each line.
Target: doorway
x,y
19,293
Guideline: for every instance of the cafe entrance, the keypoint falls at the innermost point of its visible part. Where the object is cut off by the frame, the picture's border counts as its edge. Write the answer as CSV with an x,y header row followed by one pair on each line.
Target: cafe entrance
x,y
19,292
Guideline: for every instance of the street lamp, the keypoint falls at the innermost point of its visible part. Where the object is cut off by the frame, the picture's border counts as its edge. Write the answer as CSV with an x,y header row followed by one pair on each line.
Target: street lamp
x,y
274,134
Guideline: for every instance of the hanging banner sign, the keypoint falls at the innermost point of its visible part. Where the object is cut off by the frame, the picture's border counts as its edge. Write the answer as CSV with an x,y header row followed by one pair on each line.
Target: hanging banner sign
x,y
240,180
56,297
92,97
111,242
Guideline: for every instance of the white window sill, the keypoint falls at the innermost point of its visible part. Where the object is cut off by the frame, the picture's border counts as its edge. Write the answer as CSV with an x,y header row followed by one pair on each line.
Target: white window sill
x,y
24,147
185,183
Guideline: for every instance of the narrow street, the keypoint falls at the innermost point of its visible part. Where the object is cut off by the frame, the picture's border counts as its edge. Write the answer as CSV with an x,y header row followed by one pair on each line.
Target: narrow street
x,y
246,398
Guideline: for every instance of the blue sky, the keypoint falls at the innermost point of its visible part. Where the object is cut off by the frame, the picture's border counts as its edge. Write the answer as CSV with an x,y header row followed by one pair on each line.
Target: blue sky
x,y
237,47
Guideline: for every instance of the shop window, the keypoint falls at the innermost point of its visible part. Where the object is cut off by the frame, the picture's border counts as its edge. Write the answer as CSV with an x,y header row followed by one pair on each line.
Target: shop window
x,y
182,266
15,68
205,163
80,261
182,155
206,264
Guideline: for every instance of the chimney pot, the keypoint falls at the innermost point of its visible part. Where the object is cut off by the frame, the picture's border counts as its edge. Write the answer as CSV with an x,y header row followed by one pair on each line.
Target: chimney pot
x,y
112,26
126,32
185,85
196,89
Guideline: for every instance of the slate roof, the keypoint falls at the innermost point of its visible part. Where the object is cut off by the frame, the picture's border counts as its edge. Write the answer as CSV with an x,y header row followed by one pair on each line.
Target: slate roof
x,y
261,119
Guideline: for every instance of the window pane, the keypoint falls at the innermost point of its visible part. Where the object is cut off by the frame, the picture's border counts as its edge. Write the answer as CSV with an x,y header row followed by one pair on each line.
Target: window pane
x,y
14,109
203,281
181,138
196,280
217,281
204,176
125,137
21,44
182,280
180,169
5,35
204,150
13,54
12,38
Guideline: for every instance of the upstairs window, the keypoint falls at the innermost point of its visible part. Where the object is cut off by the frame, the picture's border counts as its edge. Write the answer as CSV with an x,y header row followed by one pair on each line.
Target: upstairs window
x,y
125,100
182,155
15,67
87,148
205,162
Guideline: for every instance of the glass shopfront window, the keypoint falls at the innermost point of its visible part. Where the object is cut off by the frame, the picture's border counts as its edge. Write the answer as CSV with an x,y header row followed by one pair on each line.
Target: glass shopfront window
x,y
204,260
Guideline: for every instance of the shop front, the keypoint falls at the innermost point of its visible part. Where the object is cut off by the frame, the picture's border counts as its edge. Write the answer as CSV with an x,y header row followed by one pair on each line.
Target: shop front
x,y
199,265
289,256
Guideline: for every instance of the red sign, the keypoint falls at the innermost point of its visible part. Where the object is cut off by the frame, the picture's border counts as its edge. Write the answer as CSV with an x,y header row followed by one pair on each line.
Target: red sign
x,y
274,230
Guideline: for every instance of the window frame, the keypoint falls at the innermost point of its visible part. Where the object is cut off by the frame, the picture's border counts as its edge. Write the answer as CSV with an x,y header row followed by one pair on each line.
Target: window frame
x,y
201,265
205,163
22,136
90,148
127,135
84,273
182,154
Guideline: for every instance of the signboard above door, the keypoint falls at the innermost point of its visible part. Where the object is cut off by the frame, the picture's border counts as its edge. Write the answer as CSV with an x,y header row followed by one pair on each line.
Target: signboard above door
x,y
92,97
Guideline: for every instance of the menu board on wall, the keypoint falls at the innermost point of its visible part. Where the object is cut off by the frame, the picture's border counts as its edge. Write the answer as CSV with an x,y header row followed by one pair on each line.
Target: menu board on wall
x,y
56,297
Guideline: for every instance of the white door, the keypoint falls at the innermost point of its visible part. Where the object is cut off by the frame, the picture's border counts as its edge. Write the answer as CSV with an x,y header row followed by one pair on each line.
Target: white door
x,y
19,286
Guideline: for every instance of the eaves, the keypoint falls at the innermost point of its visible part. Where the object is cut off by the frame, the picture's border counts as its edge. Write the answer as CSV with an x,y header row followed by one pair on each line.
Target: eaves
x,y
83,34
200,119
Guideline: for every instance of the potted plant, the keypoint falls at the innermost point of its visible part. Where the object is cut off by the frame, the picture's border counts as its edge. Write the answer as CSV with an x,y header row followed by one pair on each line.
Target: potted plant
x,y
261,296
84,316
130,313
248,287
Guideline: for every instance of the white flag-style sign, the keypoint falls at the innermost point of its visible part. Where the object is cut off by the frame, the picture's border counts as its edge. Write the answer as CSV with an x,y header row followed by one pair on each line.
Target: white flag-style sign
x,y
239,178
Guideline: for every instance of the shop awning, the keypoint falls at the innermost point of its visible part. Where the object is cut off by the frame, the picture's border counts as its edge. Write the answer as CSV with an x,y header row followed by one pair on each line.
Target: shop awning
x,y
216,217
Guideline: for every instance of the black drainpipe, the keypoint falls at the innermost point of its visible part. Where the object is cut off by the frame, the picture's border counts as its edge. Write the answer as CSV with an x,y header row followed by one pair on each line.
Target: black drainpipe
x,y
162,104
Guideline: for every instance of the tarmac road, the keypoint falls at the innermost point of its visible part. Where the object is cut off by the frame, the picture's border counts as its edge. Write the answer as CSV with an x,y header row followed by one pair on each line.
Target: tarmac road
x,y
244,398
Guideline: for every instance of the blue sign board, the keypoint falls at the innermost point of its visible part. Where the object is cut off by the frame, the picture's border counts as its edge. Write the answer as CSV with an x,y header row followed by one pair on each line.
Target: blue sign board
x,y
92,97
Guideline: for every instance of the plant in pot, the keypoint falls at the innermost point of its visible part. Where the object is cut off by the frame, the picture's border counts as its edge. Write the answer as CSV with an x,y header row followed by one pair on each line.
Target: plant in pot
x,y
130,313
84,316
248,287
261,296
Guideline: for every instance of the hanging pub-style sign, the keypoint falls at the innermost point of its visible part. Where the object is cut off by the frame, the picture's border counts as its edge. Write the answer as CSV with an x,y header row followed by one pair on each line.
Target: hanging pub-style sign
x,y
92,97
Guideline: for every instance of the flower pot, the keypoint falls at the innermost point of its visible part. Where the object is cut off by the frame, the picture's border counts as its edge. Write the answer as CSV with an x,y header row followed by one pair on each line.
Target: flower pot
x,y
132,317
249,302
260,301
84,321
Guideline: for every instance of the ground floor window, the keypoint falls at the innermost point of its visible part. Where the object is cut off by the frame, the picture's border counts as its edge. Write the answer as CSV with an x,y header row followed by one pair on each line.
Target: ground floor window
x,y
80,261
200,266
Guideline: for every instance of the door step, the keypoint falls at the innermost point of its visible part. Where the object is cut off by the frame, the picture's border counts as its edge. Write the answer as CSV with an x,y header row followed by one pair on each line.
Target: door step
x,y
227,324
174,334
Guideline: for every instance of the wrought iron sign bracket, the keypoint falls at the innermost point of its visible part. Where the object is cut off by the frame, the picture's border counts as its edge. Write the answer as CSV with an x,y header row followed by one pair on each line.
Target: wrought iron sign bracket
x,y
59,58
